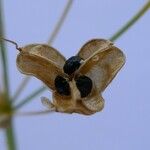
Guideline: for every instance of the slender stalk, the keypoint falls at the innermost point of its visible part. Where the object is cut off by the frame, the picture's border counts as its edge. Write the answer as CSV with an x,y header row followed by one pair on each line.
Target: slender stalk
x,y
28,113
35,113
60,22
3,54
132,21
121,31
9,131
20,88
49,42
30,97
10,137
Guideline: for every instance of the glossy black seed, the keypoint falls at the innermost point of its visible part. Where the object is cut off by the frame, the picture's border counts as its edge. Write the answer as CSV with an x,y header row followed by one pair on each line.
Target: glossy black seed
x,y
84,85
72,64
62,86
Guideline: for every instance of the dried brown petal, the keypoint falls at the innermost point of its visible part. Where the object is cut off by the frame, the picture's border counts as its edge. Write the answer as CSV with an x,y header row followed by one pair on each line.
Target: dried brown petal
x,y
95,103
89,48
46,52
31,63
68,105
103,66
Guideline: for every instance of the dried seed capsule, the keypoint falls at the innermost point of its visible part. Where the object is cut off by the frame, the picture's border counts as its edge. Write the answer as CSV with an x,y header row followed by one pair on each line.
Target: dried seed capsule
x,y
72,64
62,86
84,84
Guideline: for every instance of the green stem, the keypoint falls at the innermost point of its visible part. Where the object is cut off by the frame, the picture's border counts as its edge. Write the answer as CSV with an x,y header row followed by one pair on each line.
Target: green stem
x,y
30,97
20,88
3,54
132,21
9,131
10,137
137,16
60,22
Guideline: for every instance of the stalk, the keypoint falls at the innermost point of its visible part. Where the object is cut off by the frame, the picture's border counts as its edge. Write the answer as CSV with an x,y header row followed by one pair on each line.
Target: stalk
x,y
9,131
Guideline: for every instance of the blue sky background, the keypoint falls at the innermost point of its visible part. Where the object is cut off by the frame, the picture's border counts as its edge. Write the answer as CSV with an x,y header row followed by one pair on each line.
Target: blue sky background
x,y
124,122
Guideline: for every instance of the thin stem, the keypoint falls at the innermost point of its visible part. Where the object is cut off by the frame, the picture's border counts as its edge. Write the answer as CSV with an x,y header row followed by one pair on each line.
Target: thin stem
x,y
20,88
33,113
10,137
132,21
3,54
12,42
28,99
29,113
9,131
60,22
50,41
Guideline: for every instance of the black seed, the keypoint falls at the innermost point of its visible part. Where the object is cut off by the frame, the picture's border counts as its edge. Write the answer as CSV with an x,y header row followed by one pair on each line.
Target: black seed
x,y
72,64
62,86
84,84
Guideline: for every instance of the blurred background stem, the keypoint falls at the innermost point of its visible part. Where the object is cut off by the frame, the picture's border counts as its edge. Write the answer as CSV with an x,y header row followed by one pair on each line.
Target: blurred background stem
x,y
9,131
114,37
30,97
127,25
3,53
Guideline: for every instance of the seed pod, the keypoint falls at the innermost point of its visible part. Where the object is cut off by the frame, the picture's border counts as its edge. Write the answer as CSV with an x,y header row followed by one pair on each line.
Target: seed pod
x,y
76,88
